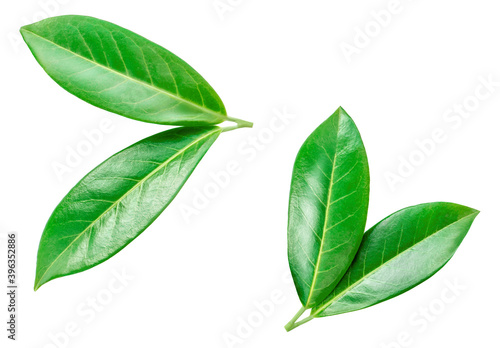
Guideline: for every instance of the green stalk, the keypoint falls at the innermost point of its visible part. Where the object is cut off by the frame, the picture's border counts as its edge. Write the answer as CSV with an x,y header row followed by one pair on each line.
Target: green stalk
x,y
296,325
292,324
240,123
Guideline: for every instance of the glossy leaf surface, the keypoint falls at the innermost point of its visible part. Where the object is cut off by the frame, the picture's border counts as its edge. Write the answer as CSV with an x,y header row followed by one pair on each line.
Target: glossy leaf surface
x,y
118,200
122,72
328,207
398,253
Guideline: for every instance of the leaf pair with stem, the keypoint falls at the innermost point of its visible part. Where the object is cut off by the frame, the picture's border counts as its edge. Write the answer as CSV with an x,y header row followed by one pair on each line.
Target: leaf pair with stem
x,y
124,73
336,267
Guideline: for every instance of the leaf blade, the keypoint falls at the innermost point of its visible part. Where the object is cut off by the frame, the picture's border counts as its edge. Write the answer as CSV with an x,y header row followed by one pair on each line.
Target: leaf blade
x,y
391,263
328,207
118,200
119,71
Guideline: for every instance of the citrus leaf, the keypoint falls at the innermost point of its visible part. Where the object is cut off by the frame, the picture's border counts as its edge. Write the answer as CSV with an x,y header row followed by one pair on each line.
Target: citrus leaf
x,y
399,253
118,200
122,72
328,207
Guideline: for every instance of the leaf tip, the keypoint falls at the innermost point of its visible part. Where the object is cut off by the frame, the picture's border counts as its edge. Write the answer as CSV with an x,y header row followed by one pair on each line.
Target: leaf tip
x,y
39,281
23,30
471,212
341,113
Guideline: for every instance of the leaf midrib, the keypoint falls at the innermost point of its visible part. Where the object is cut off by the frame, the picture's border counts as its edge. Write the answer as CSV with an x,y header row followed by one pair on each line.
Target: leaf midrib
x,y
330,186
153,87
139,183
353,285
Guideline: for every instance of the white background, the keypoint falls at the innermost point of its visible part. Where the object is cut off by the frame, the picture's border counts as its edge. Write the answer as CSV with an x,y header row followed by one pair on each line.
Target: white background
x,y
196,280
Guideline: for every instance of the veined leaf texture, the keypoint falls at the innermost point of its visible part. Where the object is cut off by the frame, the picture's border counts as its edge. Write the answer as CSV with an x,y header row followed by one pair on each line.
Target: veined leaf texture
x,y
122,72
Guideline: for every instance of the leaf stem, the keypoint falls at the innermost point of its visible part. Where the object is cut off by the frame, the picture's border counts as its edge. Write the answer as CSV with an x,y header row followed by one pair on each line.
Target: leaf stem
x,y
292,324
230,128
240,123
306,320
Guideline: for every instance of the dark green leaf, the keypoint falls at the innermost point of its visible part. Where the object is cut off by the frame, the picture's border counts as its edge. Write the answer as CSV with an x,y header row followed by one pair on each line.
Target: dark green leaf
x,y
119,71
398,253
118,200
328,207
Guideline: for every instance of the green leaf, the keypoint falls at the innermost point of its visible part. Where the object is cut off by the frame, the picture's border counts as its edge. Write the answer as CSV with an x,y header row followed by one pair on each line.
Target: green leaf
x,y
399,253
328,207
119,71
118,200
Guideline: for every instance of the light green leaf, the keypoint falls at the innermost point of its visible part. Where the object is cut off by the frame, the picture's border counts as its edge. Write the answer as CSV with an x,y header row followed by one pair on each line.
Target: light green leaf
x,y
328,207
397,254
119,71
118,200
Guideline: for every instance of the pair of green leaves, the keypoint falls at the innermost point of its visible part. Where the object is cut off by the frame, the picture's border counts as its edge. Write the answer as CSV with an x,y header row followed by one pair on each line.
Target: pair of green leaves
x,y
336,267
121,72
